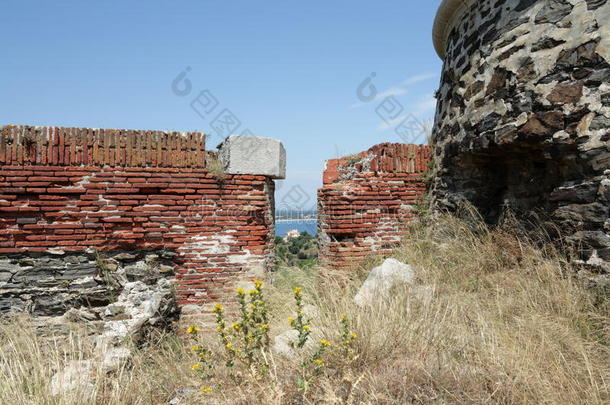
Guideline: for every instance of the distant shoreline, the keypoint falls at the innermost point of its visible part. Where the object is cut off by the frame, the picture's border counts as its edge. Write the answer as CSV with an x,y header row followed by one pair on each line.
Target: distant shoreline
x,y
309,225
297,220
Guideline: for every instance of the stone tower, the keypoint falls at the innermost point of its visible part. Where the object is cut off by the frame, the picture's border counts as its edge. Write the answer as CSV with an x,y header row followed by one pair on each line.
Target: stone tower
x,y
523,114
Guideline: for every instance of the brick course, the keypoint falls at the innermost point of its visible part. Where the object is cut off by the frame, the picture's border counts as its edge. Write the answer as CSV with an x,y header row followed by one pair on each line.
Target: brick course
x,y
366,202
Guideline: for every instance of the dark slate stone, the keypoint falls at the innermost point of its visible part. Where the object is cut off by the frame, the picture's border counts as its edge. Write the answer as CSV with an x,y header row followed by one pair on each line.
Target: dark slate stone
x,y
553,11
581,193
567,59
474,89
595,4
10,303
514,23
588,57
591,213
498,81
600,158
493,32
506,42
582,73
78,271
524,101
605,98
42,262
507,54
598,77
577,115
525,4
53,304
546,43
461,61
90,283
488,123
595,239
34,274
527,71
599,122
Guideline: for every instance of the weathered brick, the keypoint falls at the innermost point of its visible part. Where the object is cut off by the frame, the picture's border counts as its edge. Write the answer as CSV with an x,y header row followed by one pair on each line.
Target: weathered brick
x,y
66,190
362,207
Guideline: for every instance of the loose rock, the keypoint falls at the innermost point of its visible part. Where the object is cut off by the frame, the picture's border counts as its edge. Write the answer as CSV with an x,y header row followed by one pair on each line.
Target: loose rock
x,y
381,279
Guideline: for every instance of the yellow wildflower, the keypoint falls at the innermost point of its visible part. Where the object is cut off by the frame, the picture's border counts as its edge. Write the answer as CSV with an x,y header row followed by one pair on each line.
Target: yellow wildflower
x,y
217,308
306,327
195,348
229,345
196,366
206,390
297,290
236,325
258,284
354,336
347,342
291,320
253,292
192,329
240,291
265,326
319,361
344,316
324,342
218,328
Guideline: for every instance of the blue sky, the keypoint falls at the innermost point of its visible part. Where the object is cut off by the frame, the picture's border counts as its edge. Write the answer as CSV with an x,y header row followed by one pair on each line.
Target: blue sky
x,y
286,70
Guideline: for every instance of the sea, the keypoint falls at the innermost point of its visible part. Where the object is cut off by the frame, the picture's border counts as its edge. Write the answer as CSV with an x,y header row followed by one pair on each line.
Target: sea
x,y
302,225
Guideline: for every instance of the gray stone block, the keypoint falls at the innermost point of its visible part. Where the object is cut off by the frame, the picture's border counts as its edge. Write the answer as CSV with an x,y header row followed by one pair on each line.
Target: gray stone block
x,y
253,155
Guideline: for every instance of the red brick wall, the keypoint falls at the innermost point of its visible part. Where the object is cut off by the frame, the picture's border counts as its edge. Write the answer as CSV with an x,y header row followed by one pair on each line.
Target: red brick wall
x,y
74,189
366,202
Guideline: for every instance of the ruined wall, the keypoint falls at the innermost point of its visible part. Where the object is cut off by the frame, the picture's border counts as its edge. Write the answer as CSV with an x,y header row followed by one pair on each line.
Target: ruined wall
x,y
84,209
367,202
523,115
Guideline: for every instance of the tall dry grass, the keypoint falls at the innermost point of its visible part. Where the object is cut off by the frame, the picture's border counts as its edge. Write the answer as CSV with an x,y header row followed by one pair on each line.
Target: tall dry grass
x,y
30,356
500,320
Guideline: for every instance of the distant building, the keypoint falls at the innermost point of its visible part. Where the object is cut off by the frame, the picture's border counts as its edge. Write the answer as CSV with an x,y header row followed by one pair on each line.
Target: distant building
x,y
292,234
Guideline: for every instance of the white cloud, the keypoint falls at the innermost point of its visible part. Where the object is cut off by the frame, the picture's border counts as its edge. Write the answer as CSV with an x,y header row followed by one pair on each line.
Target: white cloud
x,y
399,90
426,105
394,91
418,78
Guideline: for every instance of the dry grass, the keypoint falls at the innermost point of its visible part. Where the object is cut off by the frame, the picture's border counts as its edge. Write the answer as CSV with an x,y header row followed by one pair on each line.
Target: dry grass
x,y
29,360
505,325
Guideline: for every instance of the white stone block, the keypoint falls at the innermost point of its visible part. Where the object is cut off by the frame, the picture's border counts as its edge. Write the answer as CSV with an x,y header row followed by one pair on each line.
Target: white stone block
x,y
253,155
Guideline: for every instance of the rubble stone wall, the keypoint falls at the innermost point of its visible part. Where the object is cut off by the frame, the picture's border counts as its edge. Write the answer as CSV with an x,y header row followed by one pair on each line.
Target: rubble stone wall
x,y
84,209
523,114
367,202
